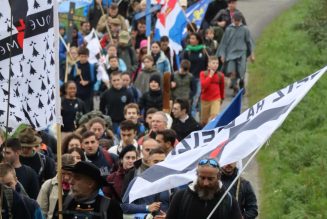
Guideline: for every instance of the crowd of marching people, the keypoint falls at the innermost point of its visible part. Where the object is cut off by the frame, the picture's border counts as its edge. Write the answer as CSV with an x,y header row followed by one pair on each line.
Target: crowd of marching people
x,y
116,123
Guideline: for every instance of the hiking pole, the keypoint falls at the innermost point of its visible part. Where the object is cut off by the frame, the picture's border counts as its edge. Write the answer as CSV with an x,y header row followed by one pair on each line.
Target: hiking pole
x,y
236,178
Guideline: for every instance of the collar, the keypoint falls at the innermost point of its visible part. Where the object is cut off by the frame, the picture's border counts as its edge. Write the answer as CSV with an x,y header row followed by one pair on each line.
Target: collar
x,y
183,120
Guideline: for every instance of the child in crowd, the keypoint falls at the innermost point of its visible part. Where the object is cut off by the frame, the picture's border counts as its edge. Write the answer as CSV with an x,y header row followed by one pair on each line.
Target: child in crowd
x,y
212,90
85,77
142,80
136,93
183,85
210,42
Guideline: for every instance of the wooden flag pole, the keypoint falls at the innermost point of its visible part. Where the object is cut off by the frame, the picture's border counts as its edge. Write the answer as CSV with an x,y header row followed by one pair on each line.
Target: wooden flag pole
x,y
59,173
166,93
107,27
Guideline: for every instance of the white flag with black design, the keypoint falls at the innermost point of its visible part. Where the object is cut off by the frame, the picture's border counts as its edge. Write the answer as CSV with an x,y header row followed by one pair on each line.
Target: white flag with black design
x,y
234,142
28,40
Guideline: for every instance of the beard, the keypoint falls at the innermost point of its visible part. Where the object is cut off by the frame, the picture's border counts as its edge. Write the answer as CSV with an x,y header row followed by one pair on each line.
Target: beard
x,y
206,193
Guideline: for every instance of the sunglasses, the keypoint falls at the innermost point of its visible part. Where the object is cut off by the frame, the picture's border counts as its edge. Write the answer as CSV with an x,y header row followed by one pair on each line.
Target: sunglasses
x,y
211,162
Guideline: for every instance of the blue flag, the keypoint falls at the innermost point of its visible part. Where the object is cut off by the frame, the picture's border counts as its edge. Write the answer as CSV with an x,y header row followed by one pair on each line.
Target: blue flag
x,y
232,111
195,13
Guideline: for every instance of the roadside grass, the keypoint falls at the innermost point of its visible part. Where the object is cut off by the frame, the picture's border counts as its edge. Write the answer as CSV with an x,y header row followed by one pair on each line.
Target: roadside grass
x,y
293,168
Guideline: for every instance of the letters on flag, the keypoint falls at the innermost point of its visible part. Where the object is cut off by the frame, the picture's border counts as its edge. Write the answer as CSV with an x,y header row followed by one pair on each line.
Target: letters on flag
x,y
234,142
28,36
171,22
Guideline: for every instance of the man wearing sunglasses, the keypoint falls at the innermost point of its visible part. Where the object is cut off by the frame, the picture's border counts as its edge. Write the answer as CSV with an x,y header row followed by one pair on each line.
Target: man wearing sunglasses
x,y
201,196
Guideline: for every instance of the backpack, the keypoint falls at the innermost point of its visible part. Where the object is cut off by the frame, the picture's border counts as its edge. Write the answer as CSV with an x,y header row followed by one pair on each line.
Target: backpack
x,y
104,205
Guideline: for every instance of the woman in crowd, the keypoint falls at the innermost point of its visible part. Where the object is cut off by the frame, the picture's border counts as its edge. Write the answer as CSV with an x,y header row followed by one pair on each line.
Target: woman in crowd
x,y
72,140
160,60
77,153
126,161
70,107
98,126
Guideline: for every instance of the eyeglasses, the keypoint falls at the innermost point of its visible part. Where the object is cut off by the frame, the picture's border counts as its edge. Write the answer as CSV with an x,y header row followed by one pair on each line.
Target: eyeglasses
x,y
211,162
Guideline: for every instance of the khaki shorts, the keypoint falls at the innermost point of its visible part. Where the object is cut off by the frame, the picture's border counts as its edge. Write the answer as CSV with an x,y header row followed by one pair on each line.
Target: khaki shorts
x,y
209,110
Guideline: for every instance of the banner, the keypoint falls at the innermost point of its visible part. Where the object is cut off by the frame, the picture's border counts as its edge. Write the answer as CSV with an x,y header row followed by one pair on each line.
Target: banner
x,y
64,4
234,142
28,54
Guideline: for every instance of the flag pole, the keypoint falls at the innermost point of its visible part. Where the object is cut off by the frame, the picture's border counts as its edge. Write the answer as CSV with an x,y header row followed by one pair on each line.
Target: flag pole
x,y
57,108
59,172
195,31
9,80
107,27
234,181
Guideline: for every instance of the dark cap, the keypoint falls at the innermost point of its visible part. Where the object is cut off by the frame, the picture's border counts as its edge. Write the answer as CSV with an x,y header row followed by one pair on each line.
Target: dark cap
x,y
87,169
156,78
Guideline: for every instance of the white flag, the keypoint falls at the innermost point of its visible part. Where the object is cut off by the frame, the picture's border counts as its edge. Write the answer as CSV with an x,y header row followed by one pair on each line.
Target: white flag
x,y
28,40
234,142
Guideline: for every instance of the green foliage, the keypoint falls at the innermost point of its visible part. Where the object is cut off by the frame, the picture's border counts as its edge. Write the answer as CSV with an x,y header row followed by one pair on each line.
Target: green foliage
x,y
293,167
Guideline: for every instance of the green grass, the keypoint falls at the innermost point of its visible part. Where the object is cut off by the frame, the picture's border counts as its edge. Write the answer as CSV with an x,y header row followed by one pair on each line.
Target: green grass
x,y
293,168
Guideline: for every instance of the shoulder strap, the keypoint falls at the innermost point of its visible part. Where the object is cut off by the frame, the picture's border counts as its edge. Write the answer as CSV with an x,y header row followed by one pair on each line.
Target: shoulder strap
x,y
108,157
104,205
8,193
92,66
43,162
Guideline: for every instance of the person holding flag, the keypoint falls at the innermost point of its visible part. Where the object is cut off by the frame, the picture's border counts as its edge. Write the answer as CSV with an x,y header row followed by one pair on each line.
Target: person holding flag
x,y
201,196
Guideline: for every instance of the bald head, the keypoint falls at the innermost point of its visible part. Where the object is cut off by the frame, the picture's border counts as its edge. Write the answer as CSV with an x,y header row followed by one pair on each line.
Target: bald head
x,y
147,146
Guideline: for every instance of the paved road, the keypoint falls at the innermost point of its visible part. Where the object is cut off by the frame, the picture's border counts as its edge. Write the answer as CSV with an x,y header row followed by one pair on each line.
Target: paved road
x,y
258,14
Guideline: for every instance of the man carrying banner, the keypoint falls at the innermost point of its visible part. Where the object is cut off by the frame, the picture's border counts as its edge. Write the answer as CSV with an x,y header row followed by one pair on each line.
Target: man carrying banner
x,y
241,190
199,199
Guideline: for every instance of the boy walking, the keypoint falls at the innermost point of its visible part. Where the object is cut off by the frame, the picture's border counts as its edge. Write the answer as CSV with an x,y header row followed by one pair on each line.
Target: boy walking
x,y
212,90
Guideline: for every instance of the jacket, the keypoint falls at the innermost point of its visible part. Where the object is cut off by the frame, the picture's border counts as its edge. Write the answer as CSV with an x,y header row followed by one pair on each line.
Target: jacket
x,y
186,204
183,129
246,197
48,197
151,99
163,64
185,86
142,79
101,26
212,88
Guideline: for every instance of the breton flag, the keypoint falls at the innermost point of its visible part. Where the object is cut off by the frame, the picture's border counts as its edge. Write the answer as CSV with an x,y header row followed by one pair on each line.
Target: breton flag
x,y
234,142
29,37
93,44
171,22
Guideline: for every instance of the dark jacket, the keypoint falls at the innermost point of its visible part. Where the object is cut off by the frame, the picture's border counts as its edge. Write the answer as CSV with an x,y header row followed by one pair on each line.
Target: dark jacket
x,y
151,99
186,204
12,201
225,15
198,61
103,160
116,179
113,101
43,165
183,129
72,208
246,197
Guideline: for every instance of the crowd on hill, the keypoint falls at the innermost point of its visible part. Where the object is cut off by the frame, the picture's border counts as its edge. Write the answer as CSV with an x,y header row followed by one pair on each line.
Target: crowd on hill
x,y
116,123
